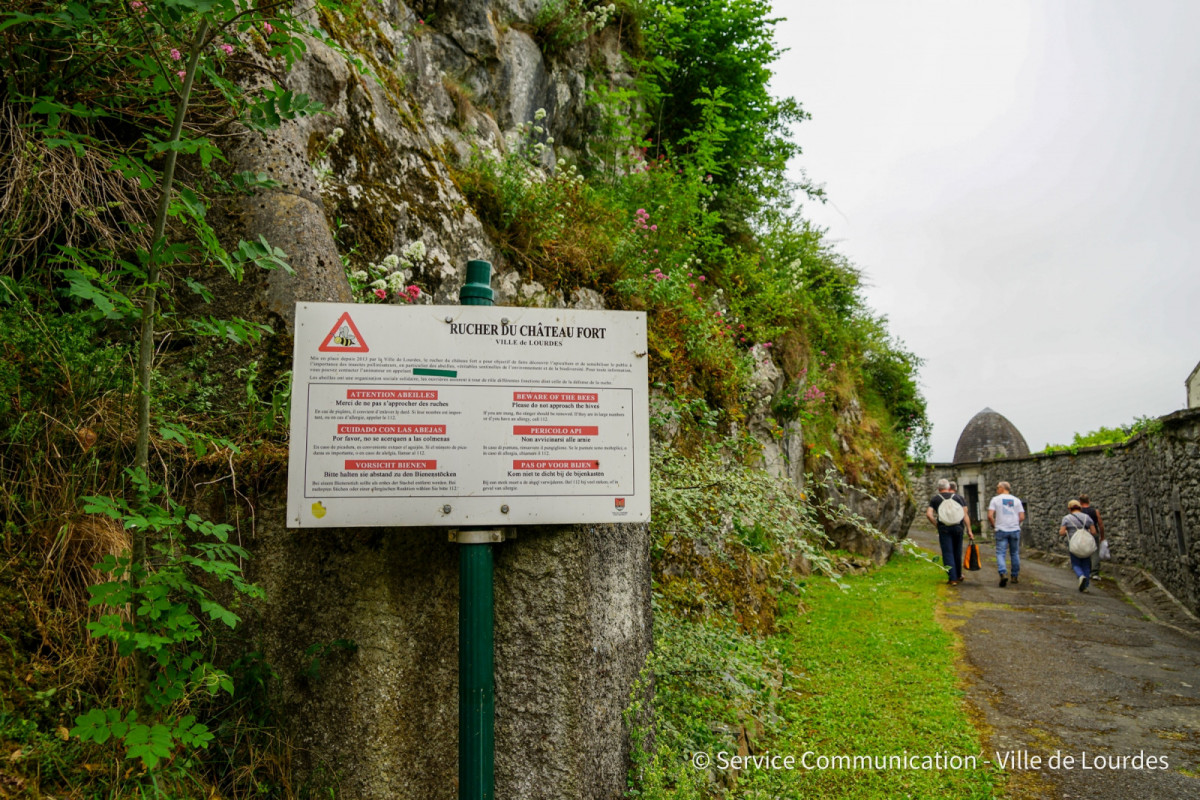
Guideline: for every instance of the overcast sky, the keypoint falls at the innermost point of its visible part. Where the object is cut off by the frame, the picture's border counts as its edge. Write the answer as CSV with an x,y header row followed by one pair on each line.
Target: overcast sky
x,y
1037,161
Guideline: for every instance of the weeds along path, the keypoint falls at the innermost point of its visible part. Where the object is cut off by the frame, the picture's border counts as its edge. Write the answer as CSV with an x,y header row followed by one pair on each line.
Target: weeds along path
x,y
872,705
1054,672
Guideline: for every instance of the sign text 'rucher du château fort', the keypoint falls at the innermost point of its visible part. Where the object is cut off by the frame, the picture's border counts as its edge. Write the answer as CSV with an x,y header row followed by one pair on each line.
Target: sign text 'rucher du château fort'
x,y
467,415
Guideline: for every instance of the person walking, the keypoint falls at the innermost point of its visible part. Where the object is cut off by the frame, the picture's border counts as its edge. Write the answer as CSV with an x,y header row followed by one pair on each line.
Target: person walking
x,y
1076,520
946,510
1005,515
1086,507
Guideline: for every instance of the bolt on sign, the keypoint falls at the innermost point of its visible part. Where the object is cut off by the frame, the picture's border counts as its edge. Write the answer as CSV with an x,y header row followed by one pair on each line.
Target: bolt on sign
x,y
467,415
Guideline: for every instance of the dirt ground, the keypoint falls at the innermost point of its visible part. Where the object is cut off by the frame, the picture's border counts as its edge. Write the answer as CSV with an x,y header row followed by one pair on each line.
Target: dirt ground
x,y
1109,678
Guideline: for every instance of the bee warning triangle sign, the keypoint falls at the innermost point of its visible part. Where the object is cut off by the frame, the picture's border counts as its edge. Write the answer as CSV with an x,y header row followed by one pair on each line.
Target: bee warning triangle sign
x,y
344,337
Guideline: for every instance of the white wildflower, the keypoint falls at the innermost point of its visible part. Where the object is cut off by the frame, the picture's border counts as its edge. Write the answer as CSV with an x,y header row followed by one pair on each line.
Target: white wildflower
x,y
359,275
540,114
415,250
379,284
391,262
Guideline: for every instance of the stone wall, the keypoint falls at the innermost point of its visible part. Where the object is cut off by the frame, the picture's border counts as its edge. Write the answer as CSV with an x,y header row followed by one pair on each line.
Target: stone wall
x,y
360,628
1147,491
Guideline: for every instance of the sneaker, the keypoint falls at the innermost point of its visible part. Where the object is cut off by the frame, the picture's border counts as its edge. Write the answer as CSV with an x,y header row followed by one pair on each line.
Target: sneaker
x,y
1082,583
1003,580
1015,580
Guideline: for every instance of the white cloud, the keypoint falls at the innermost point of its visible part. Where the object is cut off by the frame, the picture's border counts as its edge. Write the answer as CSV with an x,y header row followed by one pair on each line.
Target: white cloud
x,y
1038,157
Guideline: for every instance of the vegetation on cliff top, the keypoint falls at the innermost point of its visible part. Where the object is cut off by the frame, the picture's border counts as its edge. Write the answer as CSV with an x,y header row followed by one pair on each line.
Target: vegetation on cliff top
x,y
1107,436
680,205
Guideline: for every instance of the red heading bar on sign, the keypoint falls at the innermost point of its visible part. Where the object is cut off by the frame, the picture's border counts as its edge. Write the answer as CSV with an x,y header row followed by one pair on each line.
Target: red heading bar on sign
x,y
530,464
391,430
556,430
391,394
389,466
556,397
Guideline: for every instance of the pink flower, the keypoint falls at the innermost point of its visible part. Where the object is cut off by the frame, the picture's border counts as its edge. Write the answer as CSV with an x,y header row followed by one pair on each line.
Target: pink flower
x,y
381,294
653,227
413,291
175,54
139,7
741,326
700,278
268,28
692,285
228,48
182,74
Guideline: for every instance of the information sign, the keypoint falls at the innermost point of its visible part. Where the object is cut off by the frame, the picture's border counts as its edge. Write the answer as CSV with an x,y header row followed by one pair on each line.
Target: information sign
x,y
467,415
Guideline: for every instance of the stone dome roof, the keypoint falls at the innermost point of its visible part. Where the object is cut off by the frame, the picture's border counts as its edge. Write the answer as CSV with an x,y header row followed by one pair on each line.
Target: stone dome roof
x,y
989,435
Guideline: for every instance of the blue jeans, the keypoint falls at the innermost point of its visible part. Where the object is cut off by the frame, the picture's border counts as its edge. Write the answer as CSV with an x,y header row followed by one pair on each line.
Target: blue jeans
x,y
1082,566
1010,541
952,553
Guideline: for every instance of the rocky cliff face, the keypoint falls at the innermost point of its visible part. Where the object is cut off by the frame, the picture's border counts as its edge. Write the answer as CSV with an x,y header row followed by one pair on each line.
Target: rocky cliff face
x,y
852,513
361,624
410,89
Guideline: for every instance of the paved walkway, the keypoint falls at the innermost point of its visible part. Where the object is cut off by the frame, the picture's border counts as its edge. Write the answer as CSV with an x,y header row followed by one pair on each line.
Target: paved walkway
x,y
1088,675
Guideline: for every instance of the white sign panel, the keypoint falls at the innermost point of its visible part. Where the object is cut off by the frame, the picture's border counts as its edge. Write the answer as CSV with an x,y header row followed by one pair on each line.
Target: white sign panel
x,y
467,415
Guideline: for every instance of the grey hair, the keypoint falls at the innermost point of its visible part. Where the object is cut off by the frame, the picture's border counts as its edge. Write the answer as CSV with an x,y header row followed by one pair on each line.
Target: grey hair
x,y
1005,485
943,484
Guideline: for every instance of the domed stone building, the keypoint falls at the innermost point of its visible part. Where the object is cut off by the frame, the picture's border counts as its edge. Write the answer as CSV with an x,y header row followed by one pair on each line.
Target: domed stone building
x,y
989,434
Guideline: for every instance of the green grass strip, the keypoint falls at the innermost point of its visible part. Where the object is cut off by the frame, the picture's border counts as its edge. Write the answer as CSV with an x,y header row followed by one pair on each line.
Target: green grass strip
x,y
871,673
436,373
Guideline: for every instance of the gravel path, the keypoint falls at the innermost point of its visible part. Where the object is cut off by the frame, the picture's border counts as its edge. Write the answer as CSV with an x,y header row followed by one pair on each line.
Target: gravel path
x,y
1092,676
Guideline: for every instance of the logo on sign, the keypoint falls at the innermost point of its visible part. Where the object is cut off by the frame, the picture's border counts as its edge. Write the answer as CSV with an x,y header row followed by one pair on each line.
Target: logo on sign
x,y
344,337
619,502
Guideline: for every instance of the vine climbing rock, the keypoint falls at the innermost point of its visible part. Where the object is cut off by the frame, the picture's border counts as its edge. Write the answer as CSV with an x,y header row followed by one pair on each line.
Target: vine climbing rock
x,y
289,216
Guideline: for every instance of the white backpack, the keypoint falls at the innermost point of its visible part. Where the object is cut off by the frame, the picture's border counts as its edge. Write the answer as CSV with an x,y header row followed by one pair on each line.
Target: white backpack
x,y
950,512
1081,543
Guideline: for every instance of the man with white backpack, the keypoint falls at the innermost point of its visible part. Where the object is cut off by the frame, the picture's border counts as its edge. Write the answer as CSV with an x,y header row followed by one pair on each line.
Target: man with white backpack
x,y
947,510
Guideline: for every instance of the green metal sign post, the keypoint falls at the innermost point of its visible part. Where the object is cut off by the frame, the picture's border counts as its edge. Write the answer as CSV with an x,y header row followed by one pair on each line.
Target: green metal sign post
x,y
476,667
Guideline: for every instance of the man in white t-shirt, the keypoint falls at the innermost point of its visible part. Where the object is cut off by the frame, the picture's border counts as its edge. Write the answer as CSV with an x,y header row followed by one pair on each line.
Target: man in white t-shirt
x,y
1005,515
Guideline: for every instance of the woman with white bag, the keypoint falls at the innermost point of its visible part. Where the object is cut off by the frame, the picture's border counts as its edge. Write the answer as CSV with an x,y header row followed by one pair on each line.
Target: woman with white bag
x,y
1081,541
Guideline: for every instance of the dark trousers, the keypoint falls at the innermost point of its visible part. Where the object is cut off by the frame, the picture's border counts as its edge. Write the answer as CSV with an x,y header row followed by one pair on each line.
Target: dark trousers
x,y
951,542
